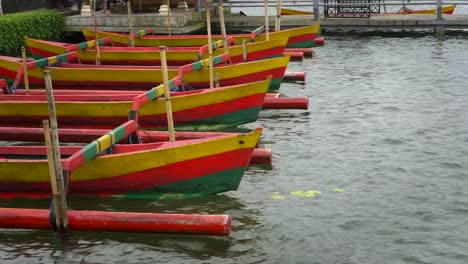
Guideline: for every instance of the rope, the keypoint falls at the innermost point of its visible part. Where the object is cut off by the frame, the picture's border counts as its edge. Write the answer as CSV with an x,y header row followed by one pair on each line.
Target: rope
x,y
145,131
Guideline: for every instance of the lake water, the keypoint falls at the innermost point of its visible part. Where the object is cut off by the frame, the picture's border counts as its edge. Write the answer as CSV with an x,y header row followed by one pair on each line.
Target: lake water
x,y
375,172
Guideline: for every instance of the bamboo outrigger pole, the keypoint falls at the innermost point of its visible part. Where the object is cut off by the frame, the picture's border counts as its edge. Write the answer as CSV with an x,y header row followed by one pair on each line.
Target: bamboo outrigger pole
x,y
210,49
267,33
53,177
25,70
96,40
222,24
278,16
60,196
167,94
131,43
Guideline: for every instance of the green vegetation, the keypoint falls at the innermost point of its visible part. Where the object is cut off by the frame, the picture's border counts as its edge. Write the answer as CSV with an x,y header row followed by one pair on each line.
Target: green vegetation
x,y
40,24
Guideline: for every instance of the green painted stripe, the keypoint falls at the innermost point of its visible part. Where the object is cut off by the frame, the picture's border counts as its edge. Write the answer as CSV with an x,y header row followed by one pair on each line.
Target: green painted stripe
x,y
83,45
119,133
214,183
94,148
218,59
303,44
171,85
275,84
222,121
46,61
153,94
216,44
89,151
197,66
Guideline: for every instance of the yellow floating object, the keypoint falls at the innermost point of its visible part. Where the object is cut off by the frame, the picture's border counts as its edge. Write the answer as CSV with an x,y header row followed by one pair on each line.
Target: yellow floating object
x,y
338,190
277,197
302,193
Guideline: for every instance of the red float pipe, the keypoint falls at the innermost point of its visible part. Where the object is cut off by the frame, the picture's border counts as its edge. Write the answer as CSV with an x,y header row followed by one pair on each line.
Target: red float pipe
x,y
319,41
295,55
298,76
261,156
286,103
215,225
307,52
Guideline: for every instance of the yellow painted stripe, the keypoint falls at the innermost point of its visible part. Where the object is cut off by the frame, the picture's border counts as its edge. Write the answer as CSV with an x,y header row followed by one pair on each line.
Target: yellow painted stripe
x,y
288,11
200,41
18,108
293,32
10,65
44,46
109,166
90,55
236,70
110,109
206,98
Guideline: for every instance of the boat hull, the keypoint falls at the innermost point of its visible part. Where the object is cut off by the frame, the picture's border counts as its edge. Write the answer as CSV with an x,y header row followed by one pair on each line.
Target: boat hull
x,y
151,55
80,76
180,169
301,37
447,10
206,109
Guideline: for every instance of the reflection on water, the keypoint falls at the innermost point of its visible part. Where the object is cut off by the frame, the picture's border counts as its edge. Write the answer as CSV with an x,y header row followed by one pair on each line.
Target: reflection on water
x,y
374,172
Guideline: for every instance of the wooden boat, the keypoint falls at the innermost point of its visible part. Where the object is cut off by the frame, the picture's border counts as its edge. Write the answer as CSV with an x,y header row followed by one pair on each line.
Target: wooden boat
x,y
301,37
85,76
447,10
162,170
294,12
151,55
204,109
83,136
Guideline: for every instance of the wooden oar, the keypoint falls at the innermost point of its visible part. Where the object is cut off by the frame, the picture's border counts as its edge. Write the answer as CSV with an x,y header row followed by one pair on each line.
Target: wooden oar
x,y
278,16
25,69
96,41
222,24
55,160
167,94
131,43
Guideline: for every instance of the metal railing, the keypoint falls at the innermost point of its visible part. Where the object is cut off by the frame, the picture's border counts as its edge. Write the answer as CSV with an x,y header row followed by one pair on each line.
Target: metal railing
x,y
317,4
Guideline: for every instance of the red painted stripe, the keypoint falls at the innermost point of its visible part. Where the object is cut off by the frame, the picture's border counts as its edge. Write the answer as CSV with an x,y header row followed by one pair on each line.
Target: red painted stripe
x,y
301,38
151,121
42,53
253,77
177,172
207,111
258,55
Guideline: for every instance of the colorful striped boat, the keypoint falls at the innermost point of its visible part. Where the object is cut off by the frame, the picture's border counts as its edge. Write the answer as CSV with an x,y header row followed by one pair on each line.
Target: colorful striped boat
x,y
82,76
301,37
150,55
447,10
163,170
83,136
204,109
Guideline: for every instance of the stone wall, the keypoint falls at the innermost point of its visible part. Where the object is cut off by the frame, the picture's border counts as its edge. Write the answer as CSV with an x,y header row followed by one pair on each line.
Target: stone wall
x,y
13,6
